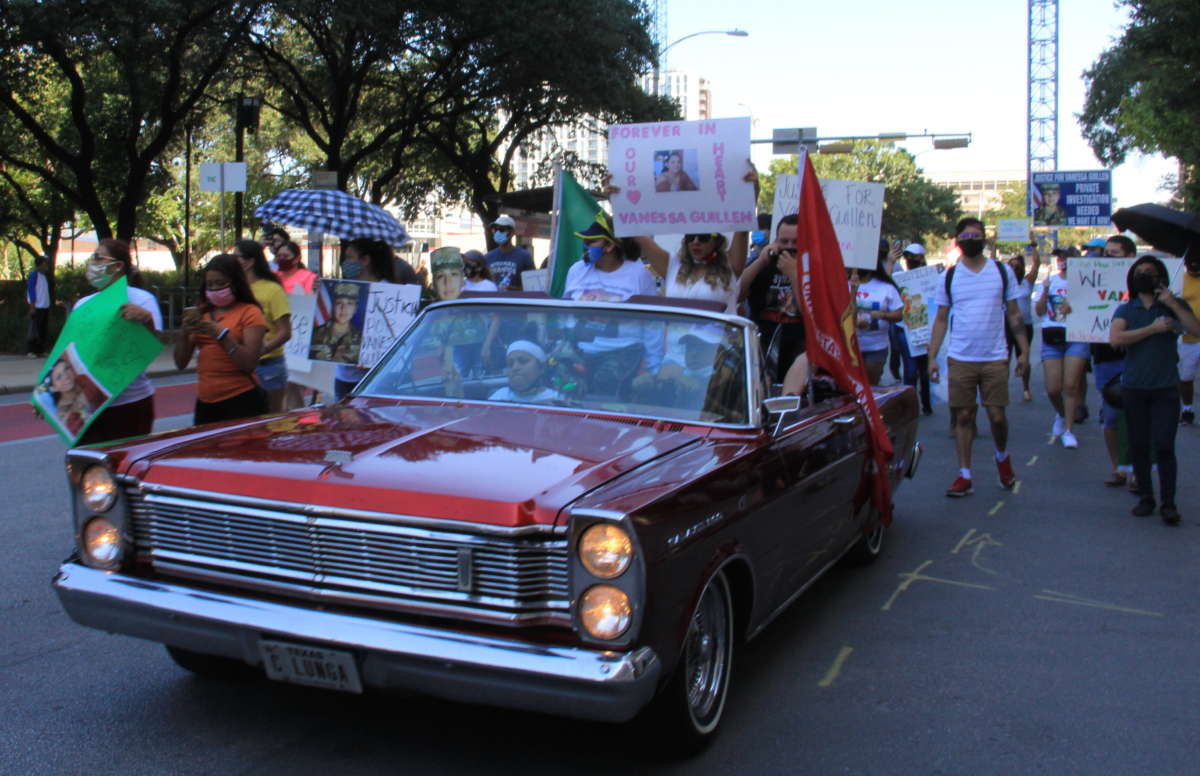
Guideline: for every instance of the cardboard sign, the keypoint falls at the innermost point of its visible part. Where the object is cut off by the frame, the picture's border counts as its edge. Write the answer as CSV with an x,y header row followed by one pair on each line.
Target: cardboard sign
x,y
535,280
1061,198
1012,230
356,322
681,176
918,288
1097,287
391,309
855,207
97,355
295,351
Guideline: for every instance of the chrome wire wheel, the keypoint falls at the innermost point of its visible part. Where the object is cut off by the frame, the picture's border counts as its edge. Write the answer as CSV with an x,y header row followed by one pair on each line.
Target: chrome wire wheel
x,y
707,656
873,543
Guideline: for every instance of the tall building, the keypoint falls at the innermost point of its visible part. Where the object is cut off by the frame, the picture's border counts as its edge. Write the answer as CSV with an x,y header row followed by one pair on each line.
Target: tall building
x,y
979,190
690,92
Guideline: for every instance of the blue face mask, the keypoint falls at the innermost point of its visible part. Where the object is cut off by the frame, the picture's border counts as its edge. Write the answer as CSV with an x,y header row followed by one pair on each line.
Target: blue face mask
x,y
594,253
758,237
501,237
351,269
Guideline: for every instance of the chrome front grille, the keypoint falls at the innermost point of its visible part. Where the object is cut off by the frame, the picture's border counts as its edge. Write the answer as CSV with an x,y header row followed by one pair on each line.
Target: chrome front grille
x,y
518,579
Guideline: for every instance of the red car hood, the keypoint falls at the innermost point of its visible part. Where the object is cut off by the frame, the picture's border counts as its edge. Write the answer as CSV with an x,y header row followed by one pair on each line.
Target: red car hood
x,y
504,466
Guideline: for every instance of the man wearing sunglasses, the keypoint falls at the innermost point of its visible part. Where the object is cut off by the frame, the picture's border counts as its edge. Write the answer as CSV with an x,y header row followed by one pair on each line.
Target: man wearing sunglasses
x,y
982,296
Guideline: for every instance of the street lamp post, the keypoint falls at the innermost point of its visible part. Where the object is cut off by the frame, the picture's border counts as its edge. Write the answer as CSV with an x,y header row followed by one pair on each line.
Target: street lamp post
x,y
658,57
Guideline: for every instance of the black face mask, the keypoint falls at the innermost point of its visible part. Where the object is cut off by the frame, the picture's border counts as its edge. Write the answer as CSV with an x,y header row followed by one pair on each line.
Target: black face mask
x,y
1143,283
971,248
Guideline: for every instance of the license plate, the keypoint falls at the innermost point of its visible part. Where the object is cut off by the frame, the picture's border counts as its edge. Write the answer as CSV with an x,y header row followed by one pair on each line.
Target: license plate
x,y
312,666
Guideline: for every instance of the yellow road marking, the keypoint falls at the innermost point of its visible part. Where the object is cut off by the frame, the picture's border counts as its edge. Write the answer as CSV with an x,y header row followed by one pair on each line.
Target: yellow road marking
x,y
996,508
1032,461
962,541
916,575
836,668
1067,598
1016,487
1050,441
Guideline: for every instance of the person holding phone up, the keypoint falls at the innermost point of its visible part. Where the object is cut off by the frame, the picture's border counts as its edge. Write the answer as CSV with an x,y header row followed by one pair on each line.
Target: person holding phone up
x,y
1147,326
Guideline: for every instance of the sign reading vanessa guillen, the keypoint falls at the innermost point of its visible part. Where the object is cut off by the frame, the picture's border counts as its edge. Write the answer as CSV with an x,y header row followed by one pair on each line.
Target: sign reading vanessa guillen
x,y
1081,198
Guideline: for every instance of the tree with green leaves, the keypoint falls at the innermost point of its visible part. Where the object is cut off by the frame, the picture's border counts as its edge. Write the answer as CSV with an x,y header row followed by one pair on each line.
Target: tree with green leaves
x,y
1141,92
913,206
96,92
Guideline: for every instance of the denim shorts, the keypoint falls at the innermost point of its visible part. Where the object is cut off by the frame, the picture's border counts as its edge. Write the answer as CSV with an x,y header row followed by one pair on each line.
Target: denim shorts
x,y
1057,352
1104,371
272,373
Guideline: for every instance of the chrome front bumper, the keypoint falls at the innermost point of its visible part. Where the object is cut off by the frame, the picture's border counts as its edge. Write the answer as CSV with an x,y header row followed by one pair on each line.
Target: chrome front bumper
x,y
572,682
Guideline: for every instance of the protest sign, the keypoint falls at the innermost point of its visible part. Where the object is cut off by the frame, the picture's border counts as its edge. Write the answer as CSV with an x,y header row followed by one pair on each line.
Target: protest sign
x,y
97,356
1097,287
855,208
303,307
1081,198
681,176
535,280
1012,230
356,322
918,288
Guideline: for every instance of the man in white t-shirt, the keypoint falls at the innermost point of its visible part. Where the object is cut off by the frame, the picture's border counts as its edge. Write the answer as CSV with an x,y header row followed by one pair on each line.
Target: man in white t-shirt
x,y
983,294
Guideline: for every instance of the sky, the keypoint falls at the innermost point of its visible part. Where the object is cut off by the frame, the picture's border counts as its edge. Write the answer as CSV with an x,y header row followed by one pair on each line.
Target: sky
x,y
861,67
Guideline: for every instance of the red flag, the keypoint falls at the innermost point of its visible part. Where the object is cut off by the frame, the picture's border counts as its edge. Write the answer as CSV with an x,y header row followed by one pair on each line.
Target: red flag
x,y
829,323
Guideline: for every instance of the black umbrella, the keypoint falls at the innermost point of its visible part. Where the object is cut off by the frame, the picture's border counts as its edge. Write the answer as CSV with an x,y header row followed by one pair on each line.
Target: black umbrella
x,y
1169,230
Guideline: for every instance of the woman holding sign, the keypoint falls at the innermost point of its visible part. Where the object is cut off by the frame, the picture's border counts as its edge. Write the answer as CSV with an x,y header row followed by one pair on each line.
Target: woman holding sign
x,y
272,372
1063,363
228,328
131,413
1148,326
370,261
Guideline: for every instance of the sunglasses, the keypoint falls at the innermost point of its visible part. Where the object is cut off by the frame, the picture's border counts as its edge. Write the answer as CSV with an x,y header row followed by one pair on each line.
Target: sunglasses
x,y
697,238
971,236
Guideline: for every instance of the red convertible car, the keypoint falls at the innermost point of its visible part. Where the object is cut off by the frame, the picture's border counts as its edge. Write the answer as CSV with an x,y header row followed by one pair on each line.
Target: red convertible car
x,y
569,507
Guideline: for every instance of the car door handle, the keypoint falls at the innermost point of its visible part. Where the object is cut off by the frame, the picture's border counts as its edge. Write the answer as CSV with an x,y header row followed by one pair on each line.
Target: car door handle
x,y
845,420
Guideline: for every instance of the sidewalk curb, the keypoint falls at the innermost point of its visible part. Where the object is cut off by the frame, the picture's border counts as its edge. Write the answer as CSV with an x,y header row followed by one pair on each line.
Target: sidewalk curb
x,y
8,390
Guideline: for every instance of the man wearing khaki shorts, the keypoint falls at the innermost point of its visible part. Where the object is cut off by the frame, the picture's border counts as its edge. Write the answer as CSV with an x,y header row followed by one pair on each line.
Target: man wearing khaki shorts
x,y
983,296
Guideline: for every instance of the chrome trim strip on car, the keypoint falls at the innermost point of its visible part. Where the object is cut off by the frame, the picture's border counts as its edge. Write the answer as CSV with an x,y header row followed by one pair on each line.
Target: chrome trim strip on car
x,y
590,683
914,460
439,524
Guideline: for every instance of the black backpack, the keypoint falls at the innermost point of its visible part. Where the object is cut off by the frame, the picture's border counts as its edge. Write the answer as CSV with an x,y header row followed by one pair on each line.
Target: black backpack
x,y
1003,280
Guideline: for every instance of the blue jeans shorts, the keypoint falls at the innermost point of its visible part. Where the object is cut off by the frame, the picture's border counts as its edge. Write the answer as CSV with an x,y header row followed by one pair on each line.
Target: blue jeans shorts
x,y
272,373
1056,352
1105,371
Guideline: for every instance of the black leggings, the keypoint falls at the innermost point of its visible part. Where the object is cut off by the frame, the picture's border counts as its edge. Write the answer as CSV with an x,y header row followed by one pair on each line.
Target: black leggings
x,y
245,405
1153,418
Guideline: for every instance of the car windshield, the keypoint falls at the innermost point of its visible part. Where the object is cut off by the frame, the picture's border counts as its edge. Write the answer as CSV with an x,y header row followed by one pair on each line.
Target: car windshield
x,y
652,363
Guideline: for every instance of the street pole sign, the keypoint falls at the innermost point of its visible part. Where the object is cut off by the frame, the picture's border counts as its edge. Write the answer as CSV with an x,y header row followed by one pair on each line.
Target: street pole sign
x,y
222,177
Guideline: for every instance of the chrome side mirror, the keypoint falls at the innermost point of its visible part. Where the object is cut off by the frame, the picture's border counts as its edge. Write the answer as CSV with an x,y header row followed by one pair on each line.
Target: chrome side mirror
x,y
780,406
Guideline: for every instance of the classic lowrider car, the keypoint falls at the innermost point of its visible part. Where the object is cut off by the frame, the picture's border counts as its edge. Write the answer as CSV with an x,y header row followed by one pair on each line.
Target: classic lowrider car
x,y
570,507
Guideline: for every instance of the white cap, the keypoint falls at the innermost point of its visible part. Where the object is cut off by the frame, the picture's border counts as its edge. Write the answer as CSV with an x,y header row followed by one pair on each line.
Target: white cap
x,y
505,220
531,348
915,249
708,334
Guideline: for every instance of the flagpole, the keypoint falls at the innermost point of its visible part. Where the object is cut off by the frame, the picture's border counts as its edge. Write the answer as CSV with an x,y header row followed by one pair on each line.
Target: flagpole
x,y
555,209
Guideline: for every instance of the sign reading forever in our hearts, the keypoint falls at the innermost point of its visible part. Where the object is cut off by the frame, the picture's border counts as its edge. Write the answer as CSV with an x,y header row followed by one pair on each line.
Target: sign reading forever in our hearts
x,y
855,208
681,177
1097,287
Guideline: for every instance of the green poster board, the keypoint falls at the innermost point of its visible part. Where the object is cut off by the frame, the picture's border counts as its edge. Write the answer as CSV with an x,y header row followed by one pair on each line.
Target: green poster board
x,y
97,356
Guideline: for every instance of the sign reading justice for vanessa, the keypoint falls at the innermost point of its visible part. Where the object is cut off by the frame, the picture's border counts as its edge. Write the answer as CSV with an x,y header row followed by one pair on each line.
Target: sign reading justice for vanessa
x,y
681,176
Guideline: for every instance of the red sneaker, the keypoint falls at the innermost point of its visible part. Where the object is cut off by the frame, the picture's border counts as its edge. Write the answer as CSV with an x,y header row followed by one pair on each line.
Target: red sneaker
x,y
961,487
1007,478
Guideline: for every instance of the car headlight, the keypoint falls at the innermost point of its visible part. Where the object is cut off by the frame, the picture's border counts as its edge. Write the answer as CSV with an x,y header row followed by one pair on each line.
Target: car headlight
x,y
605,611
99,488
101,543
605,550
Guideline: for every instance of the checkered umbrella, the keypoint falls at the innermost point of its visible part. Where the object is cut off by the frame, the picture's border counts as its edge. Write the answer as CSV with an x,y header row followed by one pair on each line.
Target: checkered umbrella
x,y
336,212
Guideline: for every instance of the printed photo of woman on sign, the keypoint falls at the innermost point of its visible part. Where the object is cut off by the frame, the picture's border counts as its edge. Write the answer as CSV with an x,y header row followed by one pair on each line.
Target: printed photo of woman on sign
x,y
673,169
68,394
341,310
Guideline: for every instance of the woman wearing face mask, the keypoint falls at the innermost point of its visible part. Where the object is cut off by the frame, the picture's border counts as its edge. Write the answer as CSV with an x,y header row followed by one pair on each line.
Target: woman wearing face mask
x,y
370,261
1148,326
475,270
131,413
228,327
292,274
272,367
879,305
1063,362
1025,305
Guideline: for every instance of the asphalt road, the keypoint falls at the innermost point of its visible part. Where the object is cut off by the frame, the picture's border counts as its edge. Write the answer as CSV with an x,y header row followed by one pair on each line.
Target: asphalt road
x,y
1040,631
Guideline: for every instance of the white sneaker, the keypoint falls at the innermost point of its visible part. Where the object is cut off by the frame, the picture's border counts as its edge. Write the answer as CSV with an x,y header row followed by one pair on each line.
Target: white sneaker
x,y
1059,426
1069,441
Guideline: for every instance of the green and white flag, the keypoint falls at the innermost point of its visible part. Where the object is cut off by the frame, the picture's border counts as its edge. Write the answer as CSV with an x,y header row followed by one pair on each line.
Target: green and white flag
x,y
575,210
97,356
